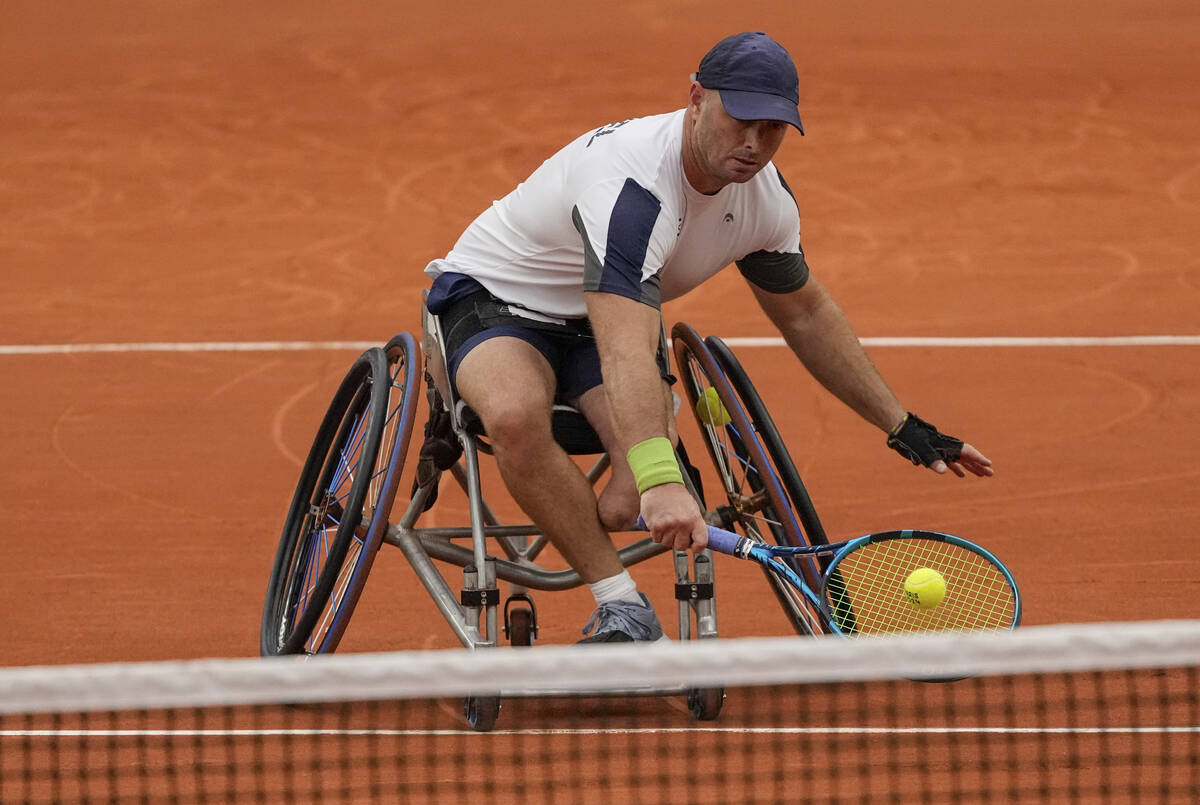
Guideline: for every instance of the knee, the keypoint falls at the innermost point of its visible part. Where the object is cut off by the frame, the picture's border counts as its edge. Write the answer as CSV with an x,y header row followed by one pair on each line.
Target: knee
x,y
516,430
619,508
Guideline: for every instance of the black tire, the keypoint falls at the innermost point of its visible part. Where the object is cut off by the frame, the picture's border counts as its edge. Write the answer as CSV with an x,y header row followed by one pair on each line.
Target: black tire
x,y
339,511
757,502
705,703
520,627
482,712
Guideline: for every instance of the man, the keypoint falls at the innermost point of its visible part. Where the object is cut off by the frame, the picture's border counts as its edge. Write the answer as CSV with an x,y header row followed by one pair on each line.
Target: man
x,y
554,294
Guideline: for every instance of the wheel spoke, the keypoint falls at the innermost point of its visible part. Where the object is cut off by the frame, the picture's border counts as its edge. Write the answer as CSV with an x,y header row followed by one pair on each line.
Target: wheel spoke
x,y
348,462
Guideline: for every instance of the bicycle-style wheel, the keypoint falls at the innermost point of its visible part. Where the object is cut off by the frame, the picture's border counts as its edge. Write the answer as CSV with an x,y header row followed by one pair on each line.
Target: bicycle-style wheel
x,y
781,464
757,501
403,374
764,428
326,512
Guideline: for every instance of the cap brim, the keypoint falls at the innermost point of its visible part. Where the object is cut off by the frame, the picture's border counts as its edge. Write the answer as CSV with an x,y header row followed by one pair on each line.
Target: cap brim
x,y
743,105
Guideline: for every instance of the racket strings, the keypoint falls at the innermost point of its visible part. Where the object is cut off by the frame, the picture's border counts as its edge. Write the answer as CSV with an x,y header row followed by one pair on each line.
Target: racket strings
x,y
978,596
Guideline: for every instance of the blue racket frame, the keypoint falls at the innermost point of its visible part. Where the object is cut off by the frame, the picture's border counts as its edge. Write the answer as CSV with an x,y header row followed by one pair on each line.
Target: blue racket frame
x,y
769,556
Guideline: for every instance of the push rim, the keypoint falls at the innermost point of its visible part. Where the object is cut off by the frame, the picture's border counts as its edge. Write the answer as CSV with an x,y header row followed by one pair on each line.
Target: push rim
x,y
757,501
403,393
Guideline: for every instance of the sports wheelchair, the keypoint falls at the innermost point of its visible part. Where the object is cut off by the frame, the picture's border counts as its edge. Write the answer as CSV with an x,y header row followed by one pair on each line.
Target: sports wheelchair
x,y
339,515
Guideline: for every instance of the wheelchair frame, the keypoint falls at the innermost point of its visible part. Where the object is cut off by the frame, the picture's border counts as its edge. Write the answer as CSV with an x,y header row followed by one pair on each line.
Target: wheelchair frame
x,y
339,514
479,601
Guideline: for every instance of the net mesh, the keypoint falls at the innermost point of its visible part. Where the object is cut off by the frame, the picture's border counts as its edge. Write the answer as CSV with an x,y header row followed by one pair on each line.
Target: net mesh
x,y
1104,713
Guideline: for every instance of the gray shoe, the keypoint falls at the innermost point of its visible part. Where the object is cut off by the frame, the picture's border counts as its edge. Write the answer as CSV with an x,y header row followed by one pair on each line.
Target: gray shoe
x,y
624,622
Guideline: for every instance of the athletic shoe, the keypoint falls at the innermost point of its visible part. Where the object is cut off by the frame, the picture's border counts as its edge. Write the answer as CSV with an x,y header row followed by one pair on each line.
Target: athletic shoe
x,y
624,622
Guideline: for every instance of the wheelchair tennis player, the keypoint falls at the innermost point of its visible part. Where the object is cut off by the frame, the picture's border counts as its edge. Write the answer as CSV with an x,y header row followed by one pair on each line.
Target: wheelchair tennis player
x,y
553,294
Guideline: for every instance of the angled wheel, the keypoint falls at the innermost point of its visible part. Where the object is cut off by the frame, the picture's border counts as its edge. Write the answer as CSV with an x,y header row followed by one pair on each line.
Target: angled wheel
x,y
339,512
781,464
403,365
764,428
758,504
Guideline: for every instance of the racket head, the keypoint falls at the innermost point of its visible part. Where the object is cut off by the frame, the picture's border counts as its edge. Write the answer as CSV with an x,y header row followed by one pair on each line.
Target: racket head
x,y
868,596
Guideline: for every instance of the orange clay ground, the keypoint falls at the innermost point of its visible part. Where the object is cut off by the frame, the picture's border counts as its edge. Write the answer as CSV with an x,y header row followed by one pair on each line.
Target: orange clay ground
x,y
282,171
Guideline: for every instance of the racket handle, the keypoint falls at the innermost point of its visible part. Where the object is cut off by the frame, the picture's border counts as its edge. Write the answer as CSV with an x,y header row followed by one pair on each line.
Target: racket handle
x,y
723,541
719,539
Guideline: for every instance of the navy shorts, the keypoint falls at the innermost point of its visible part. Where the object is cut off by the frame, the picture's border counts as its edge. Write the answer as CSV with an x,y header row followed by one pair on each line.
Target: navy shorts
x,y
470,315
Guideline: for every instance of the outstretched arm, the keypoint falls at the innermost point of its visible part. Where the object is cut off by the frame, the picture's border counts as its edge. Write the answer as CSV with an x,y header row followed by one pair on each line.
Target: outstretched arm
x,y
817,331
627,335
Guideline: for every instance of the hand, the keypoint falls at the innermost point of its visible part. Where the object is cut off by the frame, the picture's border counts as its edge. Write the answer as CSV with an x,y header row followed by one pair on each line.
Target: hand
x,y
970,460
922,443
673,517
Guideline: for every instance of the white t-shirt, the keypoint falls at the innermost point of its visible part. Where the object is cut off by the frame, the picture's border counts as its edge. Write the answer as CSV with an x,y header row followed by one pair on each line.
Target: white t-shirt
x,y
613,212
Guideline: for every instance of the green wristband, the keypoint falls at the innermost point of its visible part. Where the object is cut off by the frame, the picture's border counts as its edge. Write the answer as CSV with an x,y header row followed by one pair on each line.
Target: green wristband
x,y
653,463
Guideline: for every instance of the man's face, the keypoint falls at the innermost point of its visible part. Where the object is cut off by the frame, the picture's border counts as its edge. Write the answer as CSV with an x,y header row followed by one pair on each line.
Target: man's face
x,y
729,150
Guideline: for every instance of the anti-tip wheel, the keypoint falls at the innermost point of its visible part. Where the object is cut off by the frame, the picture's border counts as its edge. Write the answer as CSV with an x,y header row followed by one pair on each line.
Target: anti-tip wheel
x,y
705,703
482,712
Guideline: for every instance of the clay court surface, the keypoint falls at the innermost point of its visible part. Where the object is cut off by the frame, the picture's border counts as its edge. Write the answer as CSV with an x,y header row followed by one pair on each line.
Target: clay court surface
x,y
189,173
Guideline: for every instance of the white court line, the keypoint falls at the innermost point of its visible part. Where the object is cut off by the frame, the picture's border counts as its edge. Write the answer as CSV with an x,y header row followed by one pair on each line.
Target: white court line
x,y
747,343
188,346
248,733
1001,341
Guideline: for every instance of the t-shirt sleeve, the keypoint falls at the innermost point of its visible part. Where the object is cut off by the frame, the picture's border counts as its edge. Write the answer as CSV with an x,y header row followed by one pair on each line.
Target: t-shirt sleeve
x,y
623,240
779,267
775,272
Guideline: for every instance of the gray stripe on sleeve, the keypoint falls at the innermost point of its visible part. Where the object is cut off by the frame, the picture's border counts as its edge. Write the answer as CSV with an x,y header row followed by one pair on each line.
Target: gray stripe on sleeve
x,y
592,267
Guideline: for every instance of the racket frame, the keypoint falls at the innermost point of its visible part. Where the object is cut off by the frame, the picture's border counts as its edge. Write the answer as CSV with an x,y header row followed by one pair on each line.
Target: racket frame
x,y
768,555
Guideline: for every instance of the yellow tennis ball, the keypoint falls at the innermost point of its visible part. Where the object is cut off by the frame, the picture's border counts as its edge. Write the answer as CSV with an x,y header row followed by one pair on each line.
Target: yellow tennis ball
x,y
925,588
711,410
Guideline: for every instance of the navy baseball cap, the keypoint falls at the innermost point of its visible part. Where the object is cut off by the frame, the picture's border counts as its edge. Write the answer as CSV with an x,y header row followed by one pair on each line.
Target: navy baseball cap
x,y
755,76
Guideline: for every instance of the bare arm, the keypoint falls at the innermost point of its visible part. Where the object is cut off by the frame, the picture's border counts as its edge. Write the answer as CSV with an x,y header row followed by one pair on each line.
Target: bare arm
x,y
817,331
627,336
815,328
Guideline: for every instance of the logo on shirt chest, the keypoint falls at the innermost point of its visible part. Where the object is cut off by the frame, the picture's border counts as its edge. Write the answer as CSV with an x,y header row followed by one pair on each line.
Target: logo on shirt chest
x,y
728,218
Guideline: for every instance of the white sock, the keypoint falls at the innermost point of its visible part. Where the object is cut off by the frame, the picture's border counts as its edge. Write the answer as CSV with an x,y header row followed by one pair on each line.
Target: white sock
x,y
620,587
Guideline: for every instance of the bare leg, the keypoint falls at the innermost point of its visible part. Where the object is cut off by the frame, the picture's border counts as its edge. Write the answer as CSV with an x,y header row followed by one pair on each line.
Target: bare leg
x,y
511,387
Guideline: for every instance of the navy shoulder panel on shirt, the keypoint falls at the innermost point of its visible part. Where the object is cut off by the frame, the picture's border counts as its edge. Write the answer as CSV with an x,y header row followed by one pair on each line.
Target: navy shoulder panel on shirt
x,y
629,228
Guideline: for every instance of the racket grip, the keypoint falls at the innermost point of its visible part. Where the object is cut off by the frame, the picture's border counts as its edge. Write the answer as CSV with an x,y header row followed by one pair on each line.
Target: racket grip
x,y
719,539
723,541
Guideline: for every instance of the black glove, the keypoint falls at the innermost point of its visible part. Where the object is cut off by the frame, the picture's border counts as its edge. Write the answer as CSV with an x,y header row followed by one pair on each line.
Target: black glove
x,y
921,443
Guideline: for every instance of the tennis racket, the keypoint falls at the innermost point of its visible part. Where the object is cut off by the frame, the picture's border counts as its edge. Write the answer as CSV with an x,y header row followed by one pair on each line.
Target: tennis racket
x,y
862,587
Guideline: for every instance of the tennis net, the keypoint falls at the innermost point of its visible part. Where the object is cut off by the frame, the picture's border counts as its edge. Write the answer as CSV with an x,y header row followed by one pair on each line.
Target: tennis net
x,y
1087,713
